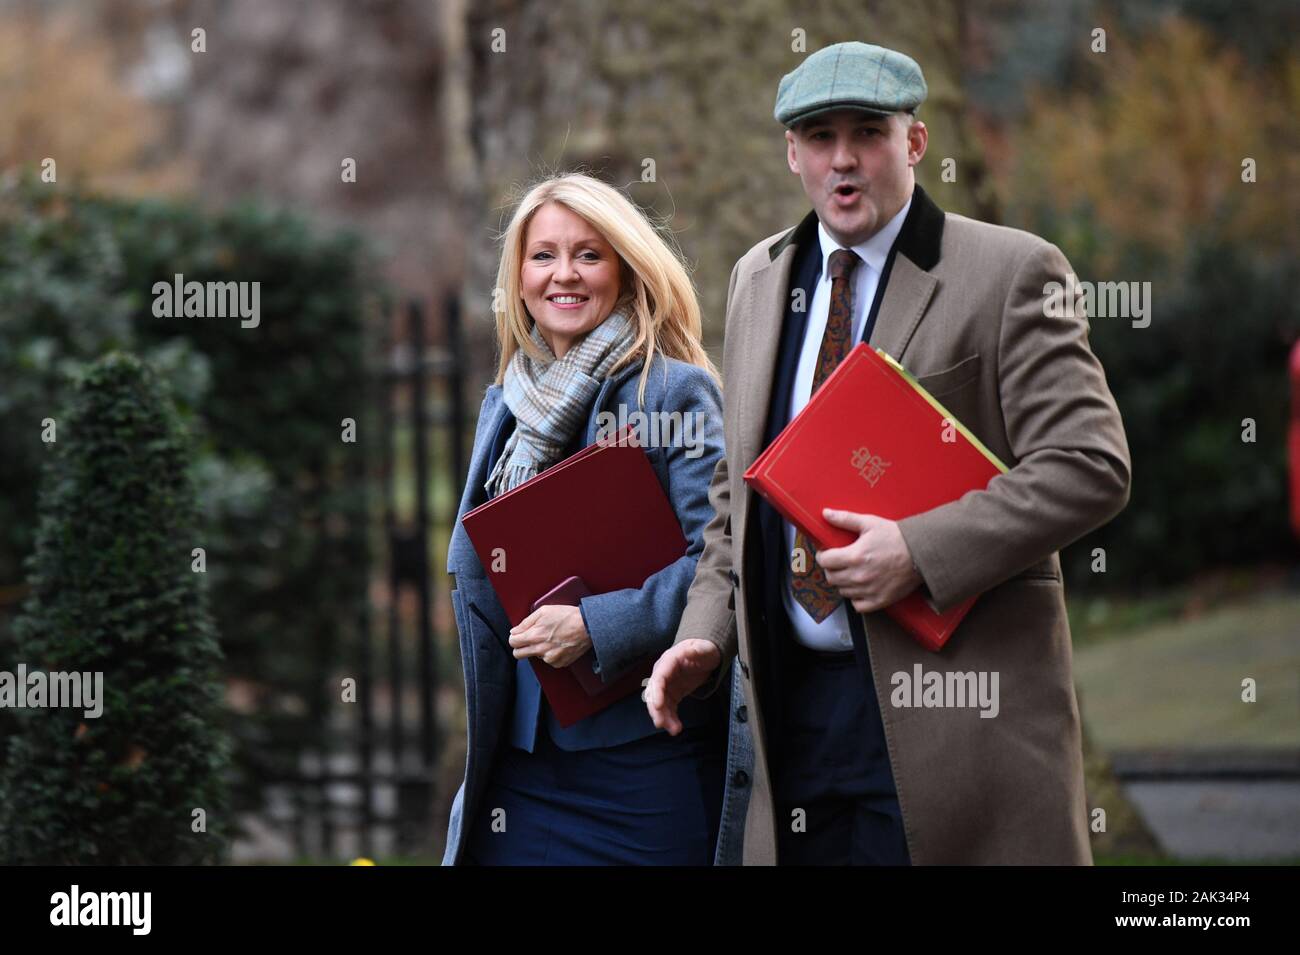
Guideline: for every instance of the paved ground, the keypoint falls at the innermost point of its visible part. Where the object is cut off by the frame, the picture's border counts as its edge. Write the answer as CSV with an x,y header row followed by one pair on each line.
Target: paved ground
x,y
1231,820
1214,777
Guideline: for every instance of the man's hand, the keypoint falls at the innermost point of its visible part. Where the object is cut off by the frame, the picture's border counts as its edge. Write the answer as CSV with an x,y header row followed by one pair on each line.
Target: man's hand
x,y
681,670
553,632
876,569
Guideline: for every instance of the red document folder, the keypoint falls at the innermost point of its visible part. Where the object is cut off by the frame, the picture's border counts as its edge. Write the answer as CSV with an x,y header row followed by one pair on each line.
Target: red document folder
x,y
600,515
871,440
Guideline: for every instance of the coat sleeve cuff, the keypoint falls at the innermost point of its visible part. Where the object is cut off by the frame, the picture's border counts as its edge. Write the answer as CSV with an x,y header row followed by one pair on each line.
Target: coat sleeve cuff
x,y
927,557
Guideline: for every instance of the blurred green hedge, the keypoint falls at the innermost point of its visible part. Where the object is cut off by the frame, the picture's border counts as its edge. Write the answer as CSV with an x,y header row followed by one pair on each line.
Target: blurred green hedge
x,y
116,781
282,496
1223,318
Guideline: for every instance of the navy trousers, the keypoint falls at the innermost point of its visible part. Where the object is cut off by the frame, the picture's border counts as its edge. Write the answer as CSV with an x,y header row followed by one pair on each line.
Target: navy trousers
x,y
834,766
653,801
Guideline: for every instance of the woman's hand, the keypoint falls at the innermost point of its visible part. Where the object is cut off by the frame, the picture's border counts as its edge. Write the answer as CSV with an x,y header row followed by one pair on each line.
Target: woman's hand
x,y
553,632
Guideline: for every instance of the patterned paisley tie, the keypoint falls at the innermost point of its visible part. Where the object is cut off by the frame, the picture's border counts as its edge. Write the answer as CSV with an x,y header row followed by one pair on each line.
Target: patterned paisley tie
x,y
810,586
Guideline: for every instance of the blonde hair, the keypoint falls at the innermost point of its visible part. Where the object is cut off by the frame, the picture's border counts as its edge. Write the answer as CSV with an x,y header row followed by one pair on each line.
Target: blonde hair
x,y
655,285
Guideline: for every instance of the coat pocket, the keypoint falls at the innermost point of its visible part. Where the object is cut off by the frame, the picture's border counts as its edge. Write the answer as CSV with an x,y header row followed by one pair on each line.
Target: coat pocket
x,y
487,625
953,378
1045,571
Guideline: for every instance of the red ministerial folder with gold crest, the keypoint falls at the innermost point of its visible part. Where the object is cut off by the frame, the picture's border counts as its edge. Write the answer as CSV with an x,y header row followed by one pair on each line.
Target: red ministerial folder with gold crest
x,y
599,515
873,441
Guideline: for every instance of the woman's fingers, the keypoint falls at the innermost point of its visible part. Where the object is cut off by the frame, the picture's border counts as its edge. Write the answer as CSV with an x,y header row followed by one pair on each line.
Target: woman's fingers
x,y
528,621
523,639
530,642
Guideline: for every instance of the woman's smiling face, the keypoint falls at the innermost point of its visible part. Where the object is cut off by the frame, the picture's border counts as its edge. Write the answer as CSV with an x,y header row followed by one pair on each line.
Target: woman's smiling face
x,y
569,279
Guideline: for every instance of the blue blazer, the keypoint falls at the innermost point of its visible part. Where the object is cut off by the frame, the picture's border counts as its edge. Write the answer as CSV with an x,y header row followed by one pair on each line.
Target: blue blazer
x,y
502,696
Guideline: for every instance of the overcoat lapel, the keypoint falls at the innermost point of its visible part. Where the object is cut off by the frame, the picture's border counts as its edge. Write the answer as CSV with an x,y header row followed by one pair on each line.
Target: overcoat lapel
x,y
762,336
907,296
911,283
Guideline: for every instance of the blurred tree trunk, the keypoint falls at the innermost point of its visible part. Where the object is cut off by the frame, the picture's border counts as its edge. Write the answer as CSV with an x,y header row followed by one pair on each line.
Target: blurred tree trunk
x,y
957,37
288,90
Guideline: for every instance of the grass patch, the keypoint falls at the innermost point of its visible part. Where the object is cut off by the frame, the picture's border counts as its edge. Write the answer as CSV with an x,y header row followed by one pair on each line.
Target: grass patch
x,y
1178,683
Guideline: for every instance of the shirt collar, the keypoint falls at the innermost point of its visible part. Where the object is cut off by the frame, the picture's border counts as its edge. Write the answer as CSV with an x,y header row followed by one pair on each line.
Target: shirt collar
x,y
874,250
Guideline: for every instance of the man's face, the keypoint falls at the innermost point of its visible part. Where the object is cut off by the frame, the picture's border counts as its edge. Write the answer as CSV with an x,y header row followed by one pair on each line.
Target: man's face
x,y
856,168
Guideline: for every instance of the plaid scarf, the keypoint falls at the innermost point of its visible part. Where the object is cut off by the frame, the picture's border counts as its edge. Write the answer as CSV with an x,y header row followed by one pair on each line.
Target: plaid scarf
x,y
550,399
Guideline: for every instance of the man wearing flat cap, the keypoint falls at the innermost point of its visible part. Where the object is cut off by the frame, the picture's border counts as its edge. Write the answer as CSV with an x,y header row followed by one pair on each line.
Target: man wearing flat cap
x,y
837,773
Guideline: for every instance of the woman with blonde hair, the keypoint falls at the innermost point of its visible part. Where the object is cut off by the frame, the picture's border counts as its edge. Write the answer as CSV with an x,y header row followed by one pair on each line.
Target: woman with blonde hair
x,y
596,317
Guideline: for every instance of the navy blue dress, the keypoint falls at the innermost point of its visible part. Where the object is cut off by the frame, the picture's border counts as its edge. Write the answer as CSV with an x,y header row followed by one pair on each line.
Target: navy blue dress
x,y
652,801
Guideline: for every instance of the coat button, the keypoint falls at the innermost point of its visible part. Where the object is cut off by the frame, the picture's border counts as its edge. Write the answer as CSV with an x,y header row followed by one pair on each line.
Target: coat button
x,y
742,713
744,669
735,581
740,778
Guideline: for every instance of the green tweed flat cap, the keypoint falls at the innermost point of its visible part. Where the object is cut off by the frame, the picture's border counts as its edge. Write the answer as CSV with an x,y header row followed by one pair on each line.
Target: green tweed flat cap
x,y
850,76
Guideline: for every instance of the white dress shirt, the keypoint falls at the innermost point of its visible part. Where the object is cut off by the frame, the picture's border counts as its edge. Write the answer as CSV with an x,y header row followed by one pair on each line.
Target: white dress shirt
x,y
833,632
